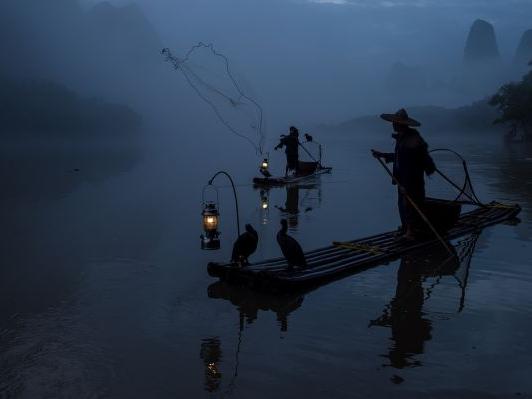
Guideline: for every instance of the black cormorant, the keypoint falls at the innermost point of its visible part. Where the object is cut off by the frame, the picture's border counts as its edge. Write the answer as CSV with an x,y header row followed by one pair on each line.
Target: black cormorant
x,y
245,245
290,247
265,172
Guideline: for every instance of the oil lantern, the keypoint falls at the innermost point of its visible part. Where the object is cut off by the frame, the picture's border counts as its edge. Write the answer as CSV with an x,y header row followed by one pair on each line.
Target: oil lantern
x,y
264,164
211,219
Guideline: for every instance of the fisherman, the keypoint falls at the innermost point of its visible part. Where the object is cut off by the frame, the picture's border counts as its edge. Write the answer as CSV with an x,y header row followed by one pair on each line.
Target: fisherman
x,y
411,160
291,142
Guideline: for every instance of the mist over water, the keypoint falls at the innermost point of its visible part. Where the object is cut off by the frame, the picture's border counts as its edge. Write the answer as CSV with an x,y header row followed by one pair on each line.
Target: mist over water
x,y
105,151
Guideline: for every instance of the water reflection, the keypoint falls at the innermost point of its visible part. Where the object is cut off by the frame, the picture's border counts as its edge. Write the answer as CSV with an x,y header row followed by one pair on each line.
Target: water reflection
x,y
211,355
300,198
404,315
39,223
248,302
514,167
513,177
33,172
264,206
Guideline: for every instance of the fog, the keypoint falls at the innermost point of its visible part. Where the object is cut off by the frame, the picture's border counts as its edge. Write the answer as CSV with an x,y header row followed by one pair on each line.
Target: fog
x,y
305,62
107,150
86,70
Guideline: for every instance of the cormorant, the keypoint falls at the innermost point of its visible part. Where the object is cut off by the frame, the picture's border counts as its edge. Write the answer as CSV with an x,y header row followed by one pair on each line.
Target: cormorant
x,y
290,247
245,245
265,172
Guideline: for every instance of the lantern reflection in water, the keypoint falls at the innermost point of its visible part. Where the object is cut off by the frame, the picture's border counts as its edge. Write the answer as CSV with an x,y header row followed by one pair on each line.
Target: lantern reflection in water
x,y
211,354
264,206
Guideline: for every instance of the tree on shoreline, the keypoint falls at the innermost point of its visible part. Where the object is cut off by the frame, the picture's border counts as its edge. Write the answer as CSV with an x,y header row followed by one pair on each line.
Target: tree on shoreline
x,y
514,102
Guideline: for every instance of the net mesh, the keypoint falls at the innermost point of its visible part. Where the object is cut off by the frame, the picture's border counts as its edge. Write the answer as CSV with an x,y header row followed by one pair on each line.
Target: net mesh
x,y
452,180
209,74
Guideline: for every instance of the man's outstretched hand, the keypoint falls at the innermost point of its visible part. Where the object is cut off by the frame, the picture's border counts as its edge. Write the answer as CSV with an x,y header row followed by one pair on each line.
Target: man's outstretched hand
x,y
376,154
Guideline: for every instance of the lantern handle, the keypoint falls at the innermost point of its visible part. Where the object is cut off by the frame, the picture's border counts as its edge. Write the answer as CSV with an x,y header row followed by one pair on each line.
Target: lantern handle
x,y
222,172
210,185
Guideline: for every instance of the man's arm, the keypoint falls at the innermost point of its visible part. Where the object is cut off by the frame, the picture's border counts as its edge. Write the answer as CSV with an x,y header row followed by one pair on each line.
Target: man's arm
x,y
388,157
281,144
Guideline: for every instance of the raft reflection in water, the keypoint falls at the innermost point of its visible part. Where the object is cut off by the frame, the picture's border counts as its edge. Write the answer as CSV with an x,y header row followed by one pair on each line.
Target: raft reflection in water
x,y
410,326
249,302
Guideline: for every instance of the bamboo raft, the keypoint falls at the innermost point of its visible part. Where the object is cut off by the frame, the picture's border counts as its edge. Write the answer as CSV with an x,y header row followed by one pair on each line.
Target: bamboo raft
x,y
281,181
335,261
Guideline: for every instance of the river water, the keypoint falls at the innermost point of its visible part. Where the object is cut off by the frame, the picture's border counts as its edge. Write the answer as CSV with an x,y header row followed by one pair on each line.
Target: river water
x,y
104,290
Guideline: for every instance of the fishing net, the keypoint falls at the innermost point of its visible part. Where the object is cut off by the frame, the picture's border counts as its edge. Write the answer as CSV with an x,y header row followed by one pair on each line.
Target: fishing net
x,y
465,248
452,180
209,74
310,151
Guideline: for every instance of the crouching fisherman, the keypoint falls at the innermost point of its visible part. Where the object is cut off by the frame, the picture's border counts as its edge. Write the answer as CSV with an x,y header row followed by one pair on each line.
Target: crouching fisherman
x,y
411,160
291,144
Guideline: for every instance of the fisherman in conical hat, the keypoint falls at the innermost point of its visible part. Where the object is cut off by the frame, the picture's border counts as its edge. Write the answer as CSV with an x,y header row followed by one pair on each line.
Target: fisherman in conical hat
x,y
411,160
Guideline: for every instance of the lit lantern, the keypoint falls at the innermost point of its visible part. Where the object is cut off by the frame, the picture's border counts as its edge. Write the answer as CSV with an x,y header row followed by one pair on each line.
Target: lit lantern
x,y
211,219
264,165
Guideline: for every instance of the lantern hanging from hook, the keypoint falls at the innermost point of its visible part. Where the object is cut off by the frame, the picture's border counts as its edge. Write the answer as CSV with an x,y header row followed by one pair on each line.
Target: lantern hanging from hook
x,y
210,239
264,166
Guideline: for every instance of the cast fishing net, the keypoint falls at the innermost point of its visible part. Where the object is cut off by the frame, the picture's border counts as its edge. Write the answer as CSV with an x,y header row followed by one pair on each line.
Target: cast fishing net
x,y
209,74
310,151
451,180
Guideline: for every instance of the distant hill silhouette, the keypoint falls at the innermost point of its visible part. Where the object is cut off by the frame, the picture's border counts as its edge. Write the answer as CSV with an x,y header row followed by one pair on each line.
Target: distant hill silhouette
x,y
482,71
45,109
106,51
477,117
481,45
56,55
523,54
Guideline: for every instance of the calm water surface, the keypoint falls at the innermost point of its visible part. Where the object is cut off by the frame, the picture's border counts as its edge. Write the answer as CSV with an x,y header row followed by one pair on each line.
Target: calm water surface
x,y
104,291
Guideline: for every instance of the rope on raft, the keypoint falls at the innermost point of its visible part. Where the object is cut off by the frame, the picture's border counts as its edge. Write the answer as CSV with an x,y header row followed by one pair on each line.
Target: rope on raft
x,y
373,249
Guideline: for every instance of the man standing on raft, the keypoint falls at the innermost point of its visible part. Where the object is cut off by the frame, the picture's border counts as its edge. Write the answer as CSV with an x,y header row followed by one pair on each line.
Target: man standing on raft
x,y
411,160
291,142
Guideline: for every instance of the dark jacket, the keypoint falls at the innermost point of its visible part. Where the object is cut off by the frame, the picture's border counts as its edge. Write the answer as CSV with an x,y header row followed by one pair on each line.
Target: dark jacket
x,y
411,160
291,143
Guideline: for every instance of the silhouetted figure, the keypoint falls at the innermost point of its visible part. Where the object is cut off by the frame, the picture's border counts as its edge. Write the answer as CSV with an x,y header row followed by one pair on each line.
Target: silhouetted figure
x,y
404,315
291,142
290,247
411,160
291,205
245,245
265,172
410,328
308,137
